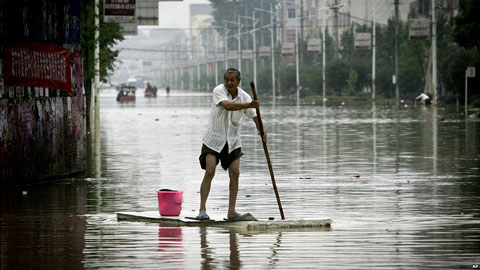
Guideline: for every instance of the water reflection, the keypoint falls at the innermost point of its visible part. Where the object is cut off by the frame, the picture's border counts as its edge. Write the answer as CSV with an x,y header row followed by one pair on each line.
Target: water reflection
x,y
43,227
374,138
170,244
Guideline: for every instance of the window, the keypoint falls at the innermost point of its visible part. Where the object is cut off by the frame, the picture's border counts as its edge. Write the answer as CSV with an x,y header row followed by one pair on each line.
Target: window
x,y
291,13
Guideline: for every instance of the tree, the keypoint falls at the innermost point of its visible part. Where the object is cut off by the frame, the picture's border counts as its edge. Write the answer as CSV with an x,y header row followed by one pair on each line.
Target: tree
x,y
465,33
110,34
467,23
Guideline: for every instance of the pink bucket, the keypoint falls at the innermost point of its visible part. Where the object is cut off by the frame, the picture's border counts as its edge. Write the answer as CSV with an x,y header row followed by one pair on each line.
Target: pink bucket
x,y
169,202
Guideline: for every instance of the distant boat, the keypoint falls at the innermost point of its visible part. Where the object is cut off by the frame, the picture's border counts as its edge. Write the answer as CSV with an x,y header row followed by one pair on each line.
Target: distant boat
x,y
126,93
149,94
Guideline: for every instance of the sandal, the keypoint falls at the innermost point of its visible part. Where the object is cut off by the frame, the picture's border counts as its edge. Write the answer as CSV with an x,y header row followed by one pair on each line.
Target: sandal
x,y
202,216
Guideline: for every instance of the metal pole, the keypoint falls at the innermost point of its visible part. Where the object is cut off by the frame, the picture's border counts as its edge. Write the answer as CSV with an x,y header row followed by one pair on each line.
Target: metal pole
x,y
96,80
466,94
198,75
254,51
225,45
336,30
434,55
397,49
272,47
374,49
323,58
297,22
239,48
215,52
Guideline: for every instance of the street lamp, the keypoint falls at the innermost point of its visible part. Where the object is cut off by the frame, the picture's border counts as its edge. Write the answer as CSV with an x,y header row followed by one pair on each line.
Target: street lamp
x,y
272,45
297,26
252,32
239,41
297,22
215,41
323,45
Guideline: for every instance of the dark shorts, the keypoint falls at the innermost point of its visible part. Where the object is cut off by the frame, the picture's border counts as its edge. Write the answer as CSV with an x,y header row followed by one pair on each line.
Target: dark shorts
x,y
223,156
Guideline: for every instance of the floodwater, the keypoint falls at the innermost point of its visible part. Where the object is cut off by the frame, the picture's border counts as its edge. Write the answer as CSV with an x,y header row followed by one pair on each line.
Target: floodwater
x,y
401,185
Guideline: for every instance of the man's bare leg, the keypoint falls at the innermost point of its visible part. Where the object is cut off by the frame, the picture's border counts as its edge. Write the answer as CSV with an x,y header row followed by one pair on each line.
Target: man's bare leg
x,y
234,173
211,164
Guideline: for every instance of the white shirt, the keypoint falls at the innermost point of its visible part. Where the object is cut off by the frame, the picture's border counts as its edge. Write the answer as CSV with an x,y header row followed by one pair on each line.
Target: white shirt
x,y
224,126
423,97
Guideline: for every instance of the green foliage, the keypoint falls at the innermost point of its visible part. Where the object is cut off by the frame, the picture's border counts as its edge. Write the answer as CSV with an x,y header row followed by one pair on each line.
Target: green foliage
x,y
476,103
467,23
352,82
337,75
109,35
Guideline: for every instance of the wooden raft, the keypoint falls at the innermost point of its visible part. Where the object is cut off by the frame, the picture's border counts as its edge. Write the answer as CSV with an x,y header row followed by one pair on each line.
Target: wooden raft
x,y
246,222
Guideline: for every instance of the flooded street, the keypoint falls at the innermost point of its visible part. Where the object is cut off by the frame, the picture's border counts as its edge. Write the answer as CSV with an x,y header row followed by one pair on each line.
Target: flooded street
x,y
402,187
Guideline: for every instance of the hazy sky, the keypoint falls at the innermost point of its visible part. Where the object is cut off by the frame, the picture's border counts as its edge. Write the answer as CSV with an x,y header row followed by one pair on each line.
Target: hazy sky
x,y
175,14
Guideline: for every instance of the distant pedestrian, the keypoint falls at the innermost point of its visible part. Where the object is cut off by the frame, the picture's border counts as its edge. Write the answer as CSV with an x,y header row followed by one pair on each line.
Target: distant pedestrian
x,y
425,99
168,90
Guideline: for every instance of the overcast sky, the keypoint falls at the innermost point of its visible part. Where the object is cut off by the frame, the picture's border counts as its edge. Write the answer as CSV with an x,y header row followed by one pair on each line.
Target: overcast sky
x,y
175,14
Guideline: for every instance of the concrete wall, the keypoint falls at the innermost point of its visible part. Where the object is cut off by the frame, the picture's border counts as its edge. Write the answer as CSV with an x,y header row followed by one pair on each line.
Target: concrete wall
x,y
42,130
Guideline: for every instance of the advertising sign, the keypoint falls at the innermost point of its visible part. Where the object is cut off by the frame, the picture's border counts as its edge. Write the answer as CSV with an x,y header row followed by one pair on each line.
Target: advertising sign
x,y
471,72
220,57
291,35
121,11
288,48
264,51
362,41
247,54
419,29
232,55
314,45
29,63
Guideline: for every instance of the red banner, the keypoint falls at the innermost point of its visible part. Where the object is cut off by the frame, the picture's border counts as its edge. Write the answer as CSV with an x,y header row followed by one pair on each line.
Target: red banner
x,y
29,63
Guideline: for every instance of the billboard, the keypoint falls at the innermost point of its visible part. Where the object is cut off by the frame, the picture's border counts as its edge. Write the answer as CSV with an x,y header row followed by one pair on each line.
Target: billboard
x,y
363,41
419,29
29,63
288,48
264,51
314,45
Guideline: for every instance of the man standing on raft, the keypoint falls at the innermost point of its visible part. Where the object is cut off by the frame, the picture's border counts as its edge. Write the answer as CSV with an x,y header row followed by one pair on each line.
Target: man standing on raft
x,y
221,141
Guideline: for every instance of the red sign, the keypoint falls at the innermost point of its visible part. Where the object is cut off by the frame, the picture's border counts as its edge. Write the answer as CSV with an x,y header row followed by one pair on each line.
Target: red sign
x,y
29,63
291,35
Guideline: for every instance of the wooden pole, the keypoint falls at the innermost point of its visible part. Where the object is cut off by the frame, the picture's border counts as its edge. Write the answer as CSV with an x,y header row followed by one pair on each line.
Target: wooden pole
x,y
260,124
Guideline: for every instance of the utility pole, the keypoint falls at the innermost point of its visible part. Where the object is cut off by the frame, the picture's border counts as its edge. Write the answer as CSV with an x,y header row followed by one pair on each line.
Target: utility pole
x,y
297,26
336,30
272,44
215,54
272,47
397,48
323,56
254,50
225,45
239,47
374,49
96,88
434,55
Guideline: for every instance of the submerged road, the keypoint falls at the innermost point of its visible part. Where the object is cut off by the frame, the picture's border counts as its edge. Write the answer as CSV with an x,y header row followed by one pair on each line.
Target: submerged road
x,y
402,187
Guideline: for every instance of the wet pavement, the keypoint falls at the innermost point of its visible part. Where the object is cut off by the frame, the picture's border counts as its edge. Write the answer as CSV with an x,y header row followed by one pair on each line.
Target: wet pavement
x,y
402,186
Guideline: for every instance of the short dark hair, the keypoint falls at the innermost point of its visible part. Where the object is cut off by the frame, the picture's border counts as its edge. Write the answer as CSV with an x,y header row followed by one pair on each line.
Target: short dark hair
x,y
233,70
